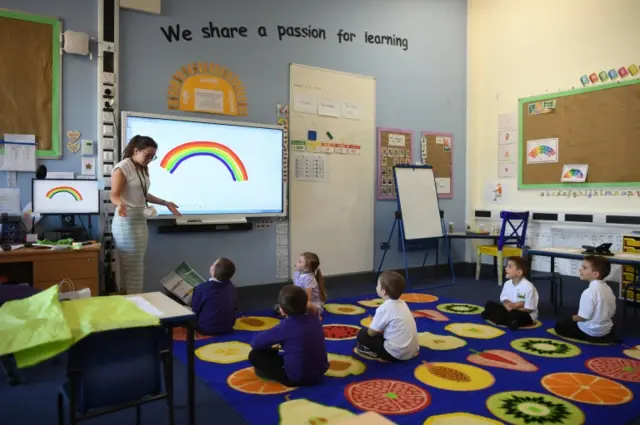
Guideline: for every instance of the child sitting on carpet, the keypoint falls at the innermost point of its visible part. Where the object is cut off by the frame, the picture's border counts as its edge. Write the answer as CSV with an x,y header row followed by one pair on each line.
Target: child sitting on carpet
x,y
519,298
213,301
392,335
597,305
309,277
300,336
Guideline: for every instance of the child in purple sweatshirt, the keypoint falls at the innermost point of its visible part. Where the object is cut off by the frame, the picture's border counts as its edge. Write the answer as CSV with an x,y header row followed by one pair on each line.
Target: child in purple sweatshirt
x,y
300,335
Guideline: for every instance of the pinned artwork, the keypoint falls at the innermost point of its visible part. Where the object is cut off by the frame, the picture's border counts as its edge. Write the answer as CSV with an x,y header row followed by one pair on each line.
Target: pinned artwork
x,y
508,152
507,169
507,136
208,88
72,142
574,173
542,107
542,151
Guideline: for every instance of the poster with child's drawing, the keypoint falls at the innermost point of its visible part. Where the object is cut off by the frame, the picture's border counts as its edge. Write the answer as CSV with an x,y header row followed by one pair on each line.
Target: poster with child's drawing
x,y
507,136
542,151
507,170
574,173
507,153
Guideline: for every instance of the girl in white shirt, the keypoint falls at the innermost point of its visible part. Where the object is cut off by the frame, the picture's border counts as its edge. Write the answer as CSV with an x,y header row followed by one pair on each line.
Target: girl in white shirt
x,y
130,194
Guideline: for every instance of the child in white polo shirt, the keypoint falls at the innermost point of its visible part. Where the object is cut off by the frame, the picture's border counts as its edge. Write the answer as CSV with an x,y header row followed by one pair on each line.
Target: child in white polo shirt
x,y
519,298
593,323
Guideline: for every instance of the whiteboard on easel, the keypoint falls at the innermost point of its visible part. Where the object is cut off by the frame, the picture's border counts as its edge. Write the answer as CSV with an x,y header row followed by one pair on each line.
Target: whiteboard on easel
x,y
418,202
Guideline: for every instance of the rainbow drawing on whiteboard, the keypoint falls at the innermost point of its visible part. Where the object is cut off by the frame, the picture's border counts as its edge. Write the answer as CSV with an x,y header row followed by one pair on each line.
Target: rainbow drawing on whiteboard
x,y
542,150
222,153
64,189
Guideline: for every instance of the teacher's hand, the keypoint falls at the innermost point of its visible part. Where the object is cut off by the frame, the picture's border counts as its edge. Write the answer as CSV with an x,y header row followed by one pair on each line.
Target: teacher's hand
x,y
173,208
122,210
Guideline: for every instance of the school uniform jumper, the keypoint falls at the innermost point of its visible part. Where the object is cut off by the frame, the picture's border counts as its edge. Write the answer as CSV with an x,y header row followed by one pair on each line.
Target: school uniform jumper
x,y
213,303
304,358
398,338
130,233
523,291
597,306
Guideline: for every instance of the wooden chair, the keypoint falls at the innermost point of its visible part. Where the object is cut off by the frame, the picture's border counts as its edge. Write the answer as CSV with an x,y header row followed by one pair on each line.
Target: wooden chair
x,y
513,230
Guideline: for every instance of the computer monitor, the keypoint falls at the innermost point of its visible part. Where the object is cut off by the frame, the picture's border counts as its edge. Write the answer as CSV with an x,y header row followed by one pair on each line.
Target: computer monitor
x,y
65,196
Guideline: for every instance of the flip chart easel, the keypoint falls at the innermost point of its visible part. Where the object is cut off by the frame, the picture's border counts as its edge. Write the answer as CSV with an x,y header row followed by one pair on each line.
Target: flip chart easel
x,y
418,215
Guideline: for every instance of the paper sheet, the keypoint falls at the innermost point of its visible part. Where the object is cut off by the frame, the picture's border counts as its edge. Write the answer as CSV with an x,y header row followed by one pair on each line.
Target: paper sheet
x,y
306,103
10,201
145,305
507,121
310,167
19,153
329,107
443,185
350,110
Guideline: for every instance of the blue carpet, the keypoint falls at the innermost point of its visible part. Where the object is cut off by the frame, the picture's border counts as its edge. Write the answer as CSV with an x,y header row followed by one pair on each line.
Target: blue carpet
x,y
446,381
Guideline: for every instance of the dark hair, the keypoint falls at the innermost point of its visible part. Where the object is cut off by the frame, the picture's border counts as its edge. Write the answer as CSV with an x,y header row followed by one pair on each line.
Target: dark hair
x,y
599,264
392,283
312,262
520,264
140,143
224,269
293,300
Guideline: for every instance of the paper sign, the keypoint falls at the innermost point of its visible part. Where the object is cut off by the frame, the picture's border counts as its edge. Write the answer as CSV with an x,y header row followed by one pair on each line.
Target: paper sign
x,y
353,149
341,148
443,185
310,167
305,103
315,147
298,146
329,107
507,136
19,153
209,101
10,201
439,140
543,107
397,140
507,121
507,169
350,110
327,147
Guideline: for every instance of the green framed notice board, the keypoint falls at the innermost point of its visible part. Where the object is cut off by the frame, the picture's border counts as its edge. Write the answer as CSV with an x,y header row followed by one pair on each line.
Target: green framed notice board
x,y
597,126
30,79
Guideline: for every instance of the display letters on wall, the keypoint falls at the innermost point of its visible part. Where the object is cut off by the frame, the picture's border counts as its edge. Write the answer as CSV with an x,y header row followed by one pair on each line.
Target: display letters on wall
x,y
177,33
209,88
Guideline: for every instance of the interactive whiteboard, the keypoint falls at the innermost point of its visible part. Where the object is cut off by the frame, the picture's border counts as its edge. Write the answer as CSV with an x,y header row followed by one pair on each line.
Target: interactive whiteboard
x,y
418,201
51,196
213,168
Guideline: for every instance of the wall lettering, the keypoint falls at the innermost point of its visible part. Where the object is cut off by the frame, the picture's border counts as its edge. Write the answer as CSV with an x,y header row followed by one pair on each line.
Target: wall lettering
x,y
210,31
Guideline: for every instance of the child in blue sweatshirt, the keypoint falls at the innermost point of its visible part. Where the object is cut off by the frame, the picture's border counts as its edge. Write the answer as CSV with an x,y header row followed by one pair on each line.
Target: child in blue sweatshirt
x,y
301,338
213,301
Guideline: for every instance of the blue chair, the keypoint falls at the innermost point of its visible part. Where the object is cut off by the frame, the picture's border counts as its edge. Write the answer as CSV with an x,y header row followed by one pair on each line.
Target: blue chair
x,y
510,242
116,370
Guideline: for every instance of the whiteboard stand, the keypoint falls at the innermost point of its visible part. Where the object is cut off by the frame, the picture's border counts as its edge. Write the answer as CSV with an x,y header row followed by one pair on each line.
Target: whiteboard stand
x,y
418,215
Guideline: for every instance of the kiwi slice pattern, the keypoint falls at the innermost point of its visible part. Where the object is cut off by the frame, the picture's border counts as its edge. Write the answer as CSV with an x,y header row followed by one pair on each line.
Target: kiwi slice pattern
x,y
545,347
524,407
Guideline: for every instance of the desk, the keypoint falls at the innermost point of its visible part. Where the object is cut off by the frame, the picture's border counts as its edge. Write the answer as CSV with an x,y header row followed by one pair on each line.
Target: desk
x,y
620,258
173,315
51,266
473,236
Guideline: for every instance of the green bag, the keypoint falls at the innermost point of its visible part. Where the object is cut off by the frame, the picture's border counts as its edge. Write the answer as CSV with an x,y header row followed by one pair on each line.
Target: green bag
x,y
37,328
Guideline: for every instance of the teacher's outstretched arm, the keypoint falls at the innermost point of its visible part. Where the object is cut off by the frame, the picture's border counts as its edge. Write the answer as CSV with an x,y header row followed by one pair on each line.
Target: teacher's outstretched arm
x,y
118,181
170,205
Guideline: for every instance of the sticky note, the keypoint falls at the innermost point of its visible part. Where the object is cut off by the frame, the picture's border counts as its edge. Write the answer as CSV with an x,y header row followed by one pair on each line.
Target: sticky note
x,y
622,72
312,135
633,69
613,74
603,76
594,78
585,80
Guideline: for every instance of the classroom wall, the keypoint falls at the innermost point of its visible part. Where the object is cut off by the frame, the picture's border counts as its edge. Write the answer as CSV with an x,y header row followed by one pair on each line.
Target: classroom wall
x,y
522,48
79,90
422,88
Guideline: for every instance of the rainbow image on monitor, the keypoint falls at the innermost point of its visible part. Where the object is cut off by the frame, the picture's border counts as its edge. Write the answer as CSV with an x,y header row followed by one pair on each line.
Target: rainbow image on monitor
x,y
542,150
222,153
64,190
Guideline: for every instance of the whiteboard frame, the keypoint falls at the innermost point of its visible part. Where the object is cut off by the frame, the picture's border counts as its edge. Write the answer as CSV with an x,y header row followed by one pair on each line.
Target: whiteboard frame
x,y
395,177
217,217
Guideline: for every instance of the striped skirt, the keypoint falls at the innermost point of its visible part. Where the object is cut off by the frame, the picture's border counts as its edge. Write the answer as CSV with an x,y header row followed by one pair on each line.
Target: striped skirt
x,y
131,236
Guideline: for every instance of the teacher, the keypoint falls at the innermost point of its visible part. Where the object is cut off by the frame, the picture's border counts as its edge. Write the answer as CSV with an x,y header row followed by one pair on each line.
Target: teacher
x,y
130,194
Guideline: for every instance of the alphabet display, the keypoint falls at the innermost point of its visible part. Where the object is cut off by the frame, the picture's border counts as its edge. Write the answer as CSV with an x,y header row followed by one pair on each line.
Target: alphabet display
x,y
210,31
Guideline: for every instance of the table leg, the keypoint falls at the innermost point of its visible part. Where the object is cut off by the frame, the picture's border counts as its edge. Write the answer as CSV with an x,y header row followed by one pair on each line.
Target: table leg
x,y
191,376
554,285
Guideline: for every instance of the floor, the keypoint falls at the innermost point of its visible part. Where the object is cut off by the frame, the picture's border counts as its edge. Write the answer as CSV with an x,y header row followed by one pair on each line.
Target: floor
x,y
34,403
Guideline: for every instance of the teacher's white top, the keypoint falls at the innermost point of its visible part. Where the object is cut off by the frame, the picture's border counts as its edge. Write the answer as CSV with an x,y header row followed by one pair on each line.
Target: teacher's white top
x,y
132,194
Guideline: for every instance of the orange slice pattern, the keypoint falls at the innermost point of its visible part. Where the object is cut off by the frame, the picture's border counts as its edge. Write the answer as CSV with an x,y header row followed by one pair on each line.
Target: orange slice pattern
x,y
585,388
416,297
246,381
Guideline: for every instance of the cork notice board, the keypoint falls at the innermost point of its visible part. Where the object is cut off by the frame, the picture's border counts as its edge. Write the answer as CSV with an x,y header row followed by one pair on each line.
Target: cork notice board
x,y
596,126
30,79
394,147
437,151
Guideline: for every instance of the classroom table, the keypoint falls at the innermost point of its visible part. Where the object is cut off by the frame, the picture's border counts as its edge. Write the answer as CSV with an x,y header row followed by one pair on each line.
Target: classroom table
x,y
173,314
620,258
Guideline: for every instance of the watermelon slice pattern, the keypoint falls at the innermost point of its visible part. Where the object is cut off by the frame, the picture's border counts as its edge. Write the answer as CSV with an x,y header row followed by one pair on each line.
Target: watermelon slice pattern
x,y
619,368
387,396
340,332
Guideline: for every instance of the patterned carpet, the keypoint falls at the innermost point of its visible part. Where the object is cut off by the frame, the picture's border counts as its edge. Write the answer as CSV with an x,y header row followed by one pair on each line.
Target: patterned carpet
x,y
529,376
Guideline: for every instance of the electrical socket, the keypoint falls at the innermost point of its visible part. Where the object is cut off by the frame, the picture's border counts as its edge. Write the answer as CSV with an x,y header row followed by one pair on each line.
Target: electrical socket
x,y
108,78
108,46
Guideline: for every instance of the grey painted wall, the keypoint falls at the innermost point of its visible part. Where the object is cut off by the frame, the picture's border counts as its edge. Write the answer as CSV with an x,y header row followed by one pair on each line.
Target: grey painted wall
x,y
423,88
79,87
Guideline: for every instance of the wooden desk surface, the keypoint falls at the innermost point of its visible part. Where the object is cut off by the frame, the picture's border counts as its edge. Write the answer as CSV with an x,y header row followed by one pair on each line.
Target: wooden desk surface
x,y
24,254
